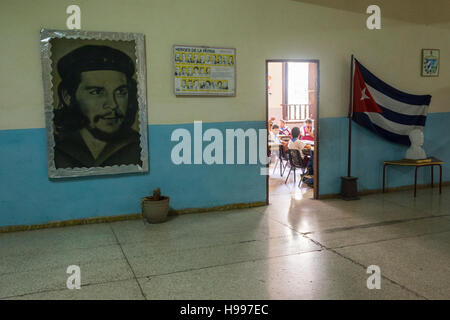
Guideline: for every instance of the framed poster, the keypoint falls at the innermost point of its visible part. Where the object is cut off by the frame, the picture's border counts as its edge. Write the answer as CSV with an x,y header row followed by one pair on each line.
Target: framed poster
x,y
430,62
204,71
95,102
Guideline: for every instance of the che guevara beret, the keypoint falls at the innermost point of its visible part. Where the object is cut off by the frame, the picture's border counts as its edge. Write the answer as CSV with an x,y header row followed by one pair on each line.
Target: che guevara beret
x,y
94,57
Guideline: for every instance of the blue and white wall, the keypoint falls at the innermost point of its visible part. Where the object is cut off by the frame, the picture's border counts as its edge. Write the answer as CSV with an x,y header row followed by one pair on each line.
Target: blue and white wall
x,y
369,151
29,197
259,30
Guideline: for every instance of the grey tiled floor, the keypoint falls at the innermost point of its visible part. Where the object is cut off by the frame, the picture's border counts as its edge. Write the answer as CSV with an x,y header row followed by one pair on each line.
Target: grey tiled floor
x,y
296,248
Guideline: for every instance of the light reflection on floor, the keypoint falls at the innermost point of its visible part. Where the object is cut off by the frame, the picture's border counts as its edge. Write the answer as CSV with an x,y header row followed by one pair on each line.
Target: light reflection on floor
x,y
295,248
278,185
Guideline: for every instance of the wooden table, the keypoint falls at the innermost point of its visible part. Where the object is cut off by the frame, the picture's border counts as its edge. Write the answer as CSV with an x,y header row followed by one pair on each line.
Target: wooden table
x,y
311,142
416,164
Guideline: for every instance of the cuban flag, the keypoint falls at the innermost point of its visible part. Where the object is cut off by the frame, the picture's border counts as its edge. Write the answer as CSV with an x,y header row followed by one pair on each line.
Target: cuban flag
x,y
384,110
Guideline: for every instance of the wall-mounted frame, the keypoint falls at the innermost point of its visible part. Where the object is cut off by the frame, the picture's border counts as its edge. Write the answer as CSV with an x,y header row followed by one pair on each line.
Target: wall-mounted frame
x,y
204,71
430,62
95,102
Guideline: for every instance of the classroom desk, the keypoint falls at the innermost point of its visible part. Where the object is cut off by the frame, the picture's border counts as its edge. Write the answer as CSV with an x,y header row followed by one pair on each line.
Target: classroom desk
x,y
288,138
274,146
311,142
284,138
411,163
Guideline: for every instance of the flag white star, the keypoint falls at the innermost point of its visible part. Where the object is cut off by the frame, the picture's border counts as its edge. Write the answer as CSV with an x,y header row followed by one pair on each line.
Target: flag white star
x,y
363,95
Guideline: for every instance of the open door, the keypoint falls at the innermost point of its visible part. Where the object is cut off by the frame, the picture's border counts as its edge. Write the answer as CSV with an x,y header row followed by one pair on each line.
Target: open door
x,y
292,101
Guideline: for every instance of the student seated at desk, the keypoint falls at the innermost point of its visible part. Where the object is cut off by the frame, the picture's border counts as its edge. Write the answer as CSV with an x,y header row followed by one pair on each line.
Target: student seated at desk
x,y
271,121
307,131
296,143
284,130
274,134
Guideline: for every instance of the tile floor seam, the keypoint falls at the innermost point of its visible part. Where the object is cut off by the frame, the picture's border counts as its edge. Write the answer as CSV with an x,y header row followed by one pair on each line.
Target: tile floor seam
x,y
442,215
221,245
304,235
383,276
287,226
353,261
229,264
387,222
129,264
62,289
77,248
384,240
365,268
279,222
403,205
374,225
210,246
59,266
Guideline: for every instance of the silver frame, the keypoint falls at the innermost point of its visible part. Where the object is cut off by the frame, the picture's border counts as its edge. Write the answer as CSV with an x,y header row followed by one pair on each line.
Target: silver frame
x,y
138,38
203,94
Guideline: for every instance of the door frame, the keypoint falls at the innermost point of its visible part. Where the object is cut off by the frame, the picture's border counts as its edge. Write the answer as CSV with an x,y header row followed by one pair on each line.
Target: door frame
x,y
316,121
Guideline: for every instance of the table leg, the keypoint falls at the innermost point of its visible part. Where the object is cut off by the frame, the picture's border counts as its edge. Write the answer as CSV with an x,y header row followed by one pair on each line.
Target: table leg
x,y
415,182
384,175
440,179
432,176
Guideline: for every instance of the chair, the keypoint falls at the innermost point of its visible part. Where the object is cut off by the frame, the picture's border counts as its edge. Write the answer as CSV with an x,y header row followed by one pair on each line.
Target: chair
x,y
282,156
296,162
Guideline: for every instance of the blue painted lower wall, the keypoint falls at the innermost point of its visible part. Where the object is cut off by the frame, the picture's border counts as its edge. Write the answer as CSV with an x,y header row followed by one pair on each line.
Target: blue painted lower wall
x,y
28,197
369,151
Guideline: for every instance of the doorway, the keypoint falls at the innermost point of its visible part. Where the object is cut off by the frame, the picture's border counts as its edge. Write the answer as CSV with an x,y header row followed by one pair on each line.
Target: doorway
x,y
292,103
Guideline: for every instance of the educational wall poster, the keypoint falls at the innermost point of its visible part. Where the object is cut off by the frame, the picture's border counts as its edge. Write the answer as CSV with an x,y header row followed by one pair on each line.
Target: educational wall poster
x,y
204,71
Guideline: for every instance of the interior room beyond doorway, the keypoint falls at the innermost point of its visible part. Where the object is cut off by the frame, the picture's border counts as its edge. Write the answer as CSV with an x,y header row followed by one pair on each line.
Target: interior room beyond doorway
x,y
292,113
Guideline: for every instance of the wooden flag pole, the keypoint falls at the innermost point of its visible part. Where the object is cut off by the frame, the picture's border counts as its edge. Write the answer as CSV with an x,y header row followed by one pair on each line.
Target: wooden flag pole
x,y
349,188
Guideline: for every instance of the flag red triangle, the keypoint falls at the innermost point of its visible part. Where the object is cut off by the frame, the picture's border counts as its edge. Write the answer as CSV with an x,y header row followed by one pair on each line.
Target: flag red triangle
x,y
362,99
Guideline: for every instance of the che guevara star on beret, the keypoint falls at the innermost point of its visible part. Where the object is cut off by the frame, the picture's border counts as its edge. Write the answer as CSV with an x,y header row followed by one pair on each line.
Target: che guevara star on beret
x,y
92,57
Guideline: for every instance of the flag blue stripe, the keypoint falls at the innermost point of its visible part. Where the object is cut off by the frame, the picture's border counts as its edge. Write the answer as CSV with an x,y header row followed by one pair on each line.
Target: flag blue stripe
x,y
363,120
410,120
386,89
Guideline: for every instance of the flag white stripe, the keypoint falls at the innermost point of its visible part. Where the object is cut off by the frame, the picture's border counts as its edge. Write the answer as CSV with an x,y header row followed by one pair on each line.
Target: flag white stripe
x,y
394,127
395,105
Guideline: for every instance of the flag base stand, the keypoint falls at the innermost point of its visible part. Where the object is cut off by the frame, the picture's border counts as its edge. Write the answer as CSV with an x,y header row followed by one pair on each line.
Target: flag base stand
x,y
349,188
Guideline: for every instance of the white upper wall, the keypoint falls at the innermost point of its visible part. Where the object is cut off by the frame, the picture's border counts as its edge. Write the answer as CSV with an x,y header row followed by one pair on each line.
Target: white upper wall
x,y
258,29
